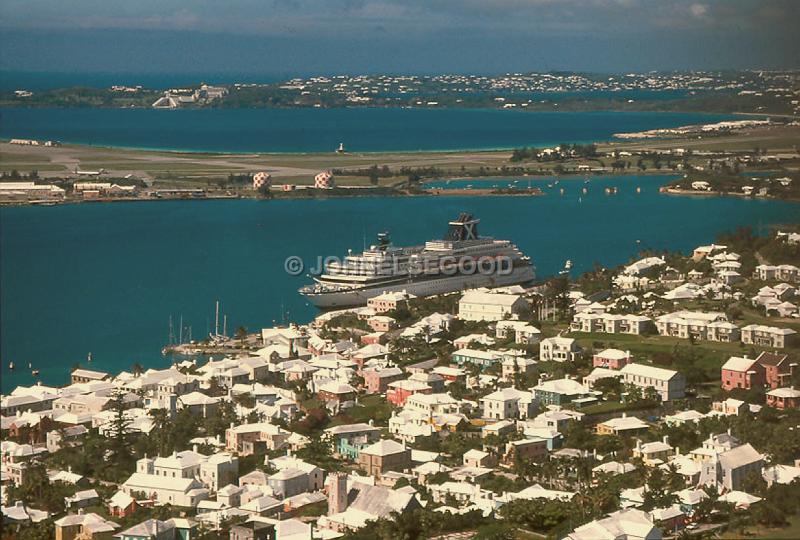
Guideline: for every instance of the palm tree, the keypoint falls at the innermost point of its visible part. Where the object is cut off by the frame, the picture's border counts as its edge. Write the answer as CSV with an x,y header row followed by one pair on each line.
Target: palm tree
x,y
137,369
161,423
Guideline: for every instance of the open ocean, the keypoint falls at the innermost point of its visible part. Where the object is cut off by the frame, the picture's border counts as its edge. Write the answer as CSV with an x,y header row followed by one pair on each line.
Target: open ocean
x,y
105,278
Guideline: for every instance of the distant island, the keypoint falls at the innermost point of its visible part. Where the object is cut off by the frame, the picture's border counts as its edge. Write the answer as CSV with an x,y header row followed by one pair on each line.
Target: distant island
x,y
760,92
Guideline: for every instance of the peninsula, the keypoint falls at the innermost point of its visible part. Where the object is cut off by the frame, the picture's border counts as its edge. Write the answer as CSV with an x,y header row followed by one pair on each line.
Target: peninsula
x,y
47,172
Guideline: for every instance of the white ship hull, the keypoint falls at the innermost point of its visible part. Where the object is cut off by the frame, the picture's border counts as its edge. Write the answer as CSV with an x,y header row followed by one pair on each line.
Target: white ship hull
x,y
429,287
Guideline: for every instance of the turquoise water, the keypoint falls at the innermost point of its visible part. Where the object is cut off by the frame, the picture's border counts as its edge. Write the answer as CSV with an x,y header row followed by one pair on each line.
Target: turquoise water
x,y
321,130
106,277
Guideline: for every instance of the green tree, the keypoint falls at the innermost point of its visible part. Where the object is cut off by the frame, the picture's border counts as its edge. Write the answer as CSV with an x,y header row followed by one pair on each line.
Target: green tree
x,y
657,493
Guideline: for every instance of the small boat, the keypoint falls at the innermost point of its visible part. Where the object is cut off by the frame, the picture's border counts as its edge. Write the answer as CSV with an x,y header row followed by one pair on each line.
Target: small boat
x,y
30,365
89,358
11,366
35,372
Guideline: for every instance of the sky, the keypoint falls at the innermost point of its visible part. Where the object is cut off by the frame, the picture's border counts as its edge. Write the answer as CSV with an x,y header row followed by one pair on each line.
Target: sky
x,y
305,37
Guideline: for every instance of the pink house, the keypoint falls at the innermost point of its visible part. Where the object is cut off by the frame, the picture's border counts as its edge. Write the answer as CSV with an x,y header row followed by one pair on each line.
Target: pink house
x,y
612,359
784,398
778,368
389,301
399,391
374,338
381,323
742,372
377,381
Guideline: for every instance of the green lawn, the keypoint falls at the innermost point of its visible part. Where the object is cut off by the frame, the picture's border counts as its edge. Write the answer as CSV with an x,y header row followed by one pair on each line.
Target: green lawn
x,y
710,355
790,532
609,407
372,407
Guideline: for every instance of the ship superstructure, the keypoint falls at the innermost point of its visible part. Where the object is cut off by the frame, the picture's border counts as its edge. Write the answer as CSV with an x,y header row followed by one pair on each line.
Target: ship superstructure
x,y
462,259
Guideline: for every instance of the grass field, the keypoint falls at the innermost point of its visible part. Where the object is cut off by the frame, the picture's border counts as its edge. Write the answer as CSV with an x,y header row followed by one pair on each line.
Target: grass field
x,y
710,355
790,532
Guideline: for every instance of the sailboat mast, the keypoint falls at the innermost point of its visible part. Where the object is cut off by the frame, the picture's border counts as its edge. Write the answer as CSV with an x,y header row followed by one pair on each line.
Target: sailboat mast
x,y
216,319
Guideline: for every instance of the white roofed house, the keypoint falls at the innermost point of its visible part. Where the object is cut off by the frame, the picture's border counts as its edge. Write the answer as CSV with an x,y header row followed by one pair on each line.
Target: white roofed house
x,y
668,383
523,333
623,425
288,482
257,367
685,324
337,392
184,464
643,265
516,365
84,525
479,305
469,340
558,349
560,391
199,404
611,358
701,252
627,324
627,524
384,455
478,458
164,488
599,374
81,375
348,439
723,332
732,468
82,499
476,357
389,301
219,470
463,492
508,403
246,439
314,474
653,453
26,400
432,404
768,336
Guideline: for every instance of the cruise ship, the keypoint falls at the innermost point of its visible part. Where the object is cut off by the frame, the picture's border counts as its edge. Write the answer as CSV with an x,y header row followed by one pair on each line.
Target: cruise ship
x,y
461,260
